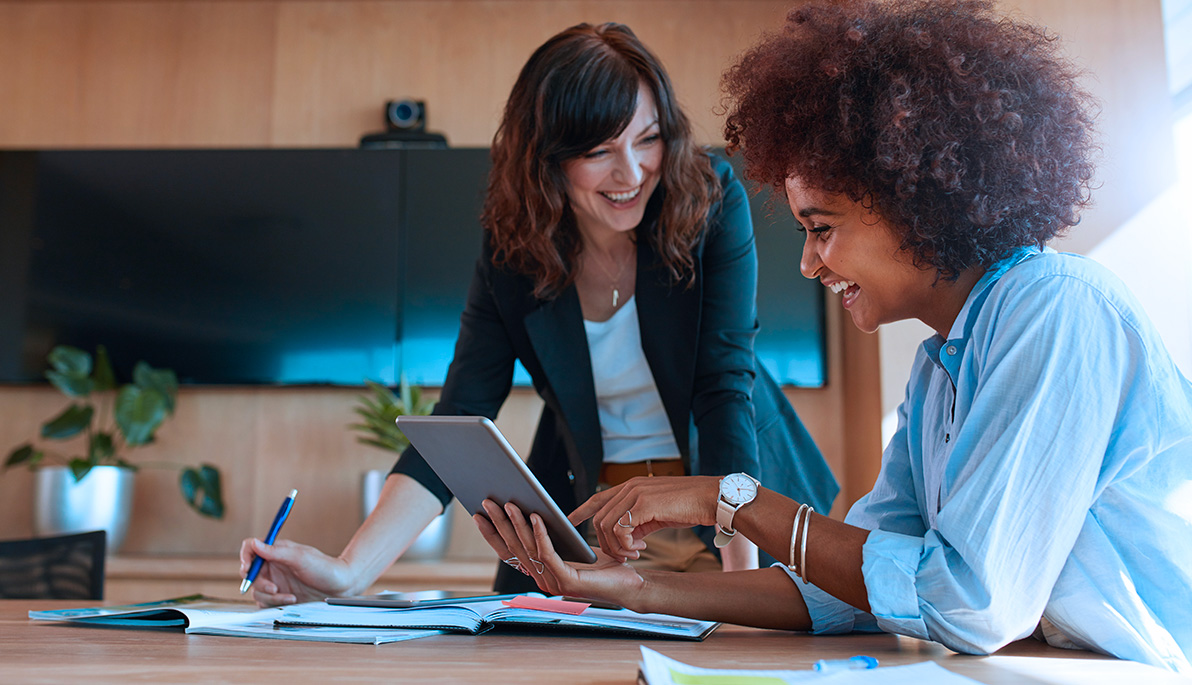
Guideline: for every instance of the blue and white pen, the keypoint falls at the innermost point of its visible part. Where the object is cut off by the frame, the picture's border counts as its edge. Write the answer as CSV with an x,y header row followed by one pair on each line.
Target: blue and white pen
x,y
282,514
852,663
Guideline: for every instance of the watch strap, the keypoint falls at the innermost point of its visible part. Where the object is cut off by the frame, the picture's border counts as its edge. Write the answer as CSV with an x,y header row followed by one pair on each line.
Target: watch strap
x,y
724,522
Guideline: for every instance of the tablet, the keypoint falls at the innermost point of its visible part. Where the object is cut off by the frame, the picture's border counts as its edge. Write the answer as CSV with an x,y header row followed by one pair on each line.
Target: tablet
x,y
476,462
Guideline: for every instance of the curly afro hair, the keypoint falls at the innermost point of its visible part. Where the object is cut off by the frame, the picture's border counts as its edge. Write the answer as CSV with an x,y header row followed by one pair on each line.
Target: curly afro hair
x,y
966,131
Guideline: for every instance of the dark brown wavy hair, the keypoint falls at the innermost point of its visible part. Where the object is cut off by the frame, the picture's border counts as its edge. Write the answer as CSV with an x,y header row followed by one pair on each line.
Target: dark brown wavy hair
x,y
965,131
577,91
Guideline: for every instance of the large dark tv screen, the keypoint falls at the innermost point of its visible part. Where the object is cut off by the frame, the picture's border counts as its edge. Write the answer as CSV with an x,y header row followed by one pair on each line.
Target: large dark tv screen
x,y
245,267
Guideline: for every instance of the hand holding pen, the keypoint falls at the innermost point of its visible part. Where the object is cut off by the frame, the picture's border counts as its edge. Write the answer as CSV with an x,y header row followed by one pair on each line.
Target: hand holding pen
x,y
282,514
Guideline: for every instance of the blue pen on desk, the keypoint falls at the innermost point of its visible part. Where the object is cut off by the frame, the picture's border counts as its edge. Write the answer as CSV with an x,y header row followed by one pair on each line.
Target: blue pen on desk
x,y
852,663
282,514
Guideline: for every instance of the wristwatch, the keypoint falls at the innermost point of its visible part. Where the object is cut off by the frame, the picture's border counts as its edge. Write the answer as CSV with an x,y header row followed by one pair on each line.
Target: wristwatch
x,y
736,490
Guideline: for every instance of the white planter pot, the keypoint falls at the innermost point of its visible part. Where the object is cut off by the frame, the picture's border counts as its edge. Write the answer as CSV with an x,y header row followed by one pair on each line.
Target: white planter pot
x,y
101,501
432,543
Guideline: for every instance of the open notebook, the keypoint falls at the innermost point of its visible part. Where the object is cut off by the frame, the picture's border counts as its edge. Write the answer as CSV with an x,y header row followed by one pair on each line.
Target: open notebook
x,y
200,615
480,617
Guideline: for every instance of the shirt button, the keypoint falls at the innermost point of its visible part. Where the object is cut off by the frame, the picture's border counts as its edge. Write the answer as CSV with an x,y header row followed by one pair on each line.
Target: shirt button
x,y
951,350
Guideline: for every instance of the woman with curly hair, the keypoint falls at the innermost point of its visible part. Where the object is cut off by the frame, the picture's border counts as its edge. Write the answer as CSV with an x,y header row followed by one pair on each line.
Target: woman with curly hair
x,y
619,267
1037,482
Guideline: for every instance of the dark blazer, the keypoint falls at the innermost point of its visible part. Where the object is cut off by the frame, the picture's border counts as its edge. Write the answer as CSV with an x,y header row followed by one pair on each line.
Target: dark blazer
x,y
698,341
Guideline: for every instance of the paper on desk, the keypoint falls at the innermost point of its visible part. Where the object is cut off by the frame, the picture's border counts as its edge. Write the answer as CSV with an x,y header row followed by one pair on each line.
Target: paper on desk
x,y
657,669
268,630
1076,671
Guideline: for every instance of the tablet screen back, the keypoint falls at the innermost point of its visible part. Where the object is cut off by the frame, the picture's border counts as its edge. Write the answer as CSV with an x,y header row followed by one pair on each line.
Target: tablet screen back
x,y
475,461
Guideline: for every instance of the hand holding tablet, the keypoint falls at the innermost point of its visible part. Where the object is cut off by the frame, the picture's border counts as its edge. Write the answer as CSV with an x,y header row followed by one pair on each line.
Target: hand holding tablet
x,y
475,461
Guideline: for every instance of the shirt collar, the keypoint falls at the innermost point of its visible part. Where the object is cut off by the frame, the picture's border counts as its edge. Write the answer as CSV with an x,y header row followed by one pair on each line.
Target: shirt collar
x,y
976,297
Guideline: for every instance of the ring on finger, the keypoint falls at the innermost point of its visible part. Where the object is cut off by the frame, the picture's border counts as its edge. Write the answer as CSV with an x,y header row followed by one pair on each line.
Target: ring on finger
x,y
626,525
513,561
539,567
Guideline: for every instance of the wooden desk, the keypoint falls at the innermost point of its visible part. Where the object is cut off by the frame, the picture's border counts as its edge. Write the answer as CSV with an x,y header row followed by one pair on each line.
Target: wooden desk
x,y
38,652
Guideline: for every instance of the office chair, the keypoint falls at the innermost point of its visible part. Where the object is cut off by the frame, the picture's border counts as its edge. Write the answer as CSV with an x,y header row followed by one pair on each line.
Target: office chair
x,y
63,567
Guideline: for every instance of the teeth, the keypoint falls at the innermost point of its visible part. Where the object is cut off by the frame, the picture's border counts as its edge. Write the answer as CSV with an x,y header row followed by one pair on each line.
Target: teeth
x,y
623,197
840,286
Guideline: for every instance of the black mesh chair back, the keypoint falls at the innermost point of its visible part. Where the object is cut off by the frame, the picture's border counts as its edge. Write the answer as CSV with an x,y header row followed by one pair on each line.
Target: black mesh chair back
x,y
63,567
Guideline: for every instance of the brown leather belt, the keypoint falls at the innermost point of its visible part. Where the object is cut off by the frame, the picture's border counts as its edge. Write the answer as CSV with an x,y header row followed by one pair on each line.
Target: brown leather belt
x,y
615,474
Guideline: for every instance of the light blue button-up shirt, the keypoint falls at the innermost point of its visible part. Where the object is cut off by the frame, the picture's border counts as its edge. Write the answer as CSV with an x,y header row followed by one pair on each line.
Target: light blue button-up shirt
x,y
1041,476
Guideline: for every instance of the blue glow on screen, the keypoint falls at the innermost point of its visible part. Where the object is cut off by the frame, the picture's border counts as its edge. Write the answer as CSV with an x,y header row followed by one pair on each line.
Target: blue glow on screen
x,y
344,366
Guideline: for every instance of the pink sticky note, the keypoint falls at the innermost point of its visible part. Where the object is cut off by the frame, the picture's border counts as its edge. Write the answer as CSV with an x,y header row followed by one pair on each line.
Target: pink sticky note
x,y
558,606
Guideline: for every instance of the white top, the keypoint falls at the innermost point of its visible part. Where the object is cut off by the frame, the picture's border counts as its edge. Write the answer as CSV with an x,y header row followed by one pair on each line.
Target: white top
x,y
633,422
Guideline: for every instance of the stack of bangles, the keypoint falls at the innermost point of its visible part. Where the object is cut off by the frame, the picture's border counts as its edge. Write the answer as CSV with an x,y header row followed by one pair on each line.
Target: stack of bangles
x,y
800,538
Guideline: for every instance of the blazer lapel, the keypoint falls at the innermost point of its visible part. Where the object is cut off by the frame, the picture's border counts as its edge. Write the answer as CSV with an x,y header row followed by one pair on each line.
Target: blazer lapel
x,y
556,332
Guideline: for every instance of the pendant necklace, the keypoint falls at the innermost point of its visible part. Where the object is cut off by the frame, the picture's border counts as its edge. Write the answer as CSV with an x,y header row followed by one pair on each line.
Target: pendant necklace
x,y
616,281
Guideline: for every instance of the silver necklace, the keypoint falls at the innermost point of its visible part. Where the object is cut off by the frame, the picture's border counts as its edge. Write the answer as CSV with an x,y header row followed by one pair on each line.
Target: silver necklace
x,y
616,280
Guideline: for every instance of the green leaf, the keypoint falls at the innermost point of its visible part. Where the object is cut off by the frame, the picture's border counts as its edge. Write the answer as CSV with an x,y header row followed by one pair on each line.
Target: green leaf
x,y
202,490
70,360
25,454
384,397
368,407
72,386
71,370
103,378
79,467
72,421
379,410
378,422
102,448
163,381
139,412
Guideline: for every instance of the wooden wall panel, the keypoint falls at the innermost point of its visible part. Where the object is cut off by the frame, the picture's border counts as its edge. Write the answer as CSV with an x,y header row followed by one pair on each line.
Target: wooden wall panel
x,y
316,73
136,74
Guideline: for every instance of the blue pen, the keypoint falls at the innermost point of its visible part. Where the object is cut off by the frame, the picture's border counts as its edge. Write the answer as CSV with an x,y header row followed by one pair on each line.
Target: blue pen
x,y
856,662
282,514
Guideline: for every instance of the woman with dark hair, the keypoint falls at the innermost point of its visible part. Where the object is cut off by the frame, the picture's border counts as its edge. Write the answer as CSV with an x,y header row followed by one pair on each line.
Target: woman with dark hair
x,y
1038,480
619,267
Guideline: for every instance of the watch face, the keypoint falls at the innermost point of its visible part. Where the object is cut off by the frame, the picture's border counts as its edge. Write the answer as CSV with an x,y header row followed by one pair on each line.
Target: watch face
x,y
737,488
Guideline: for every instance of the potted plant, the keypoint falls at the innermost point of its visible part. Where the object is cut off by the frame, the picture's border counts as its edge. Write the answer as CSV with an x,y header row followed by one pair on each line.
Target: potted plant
x,y
378,411
111,419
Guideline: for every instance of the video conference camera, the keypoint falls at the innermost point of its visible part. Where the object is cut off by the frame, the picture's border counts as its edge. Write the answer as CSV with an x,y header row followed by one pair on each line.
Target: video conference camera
x,y
405,126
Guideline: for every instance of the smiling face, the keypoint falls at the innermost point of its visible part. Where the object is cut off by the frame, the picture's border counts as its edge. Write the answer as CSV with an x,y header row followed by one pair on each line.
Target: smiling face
x,y
855,253
608,187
